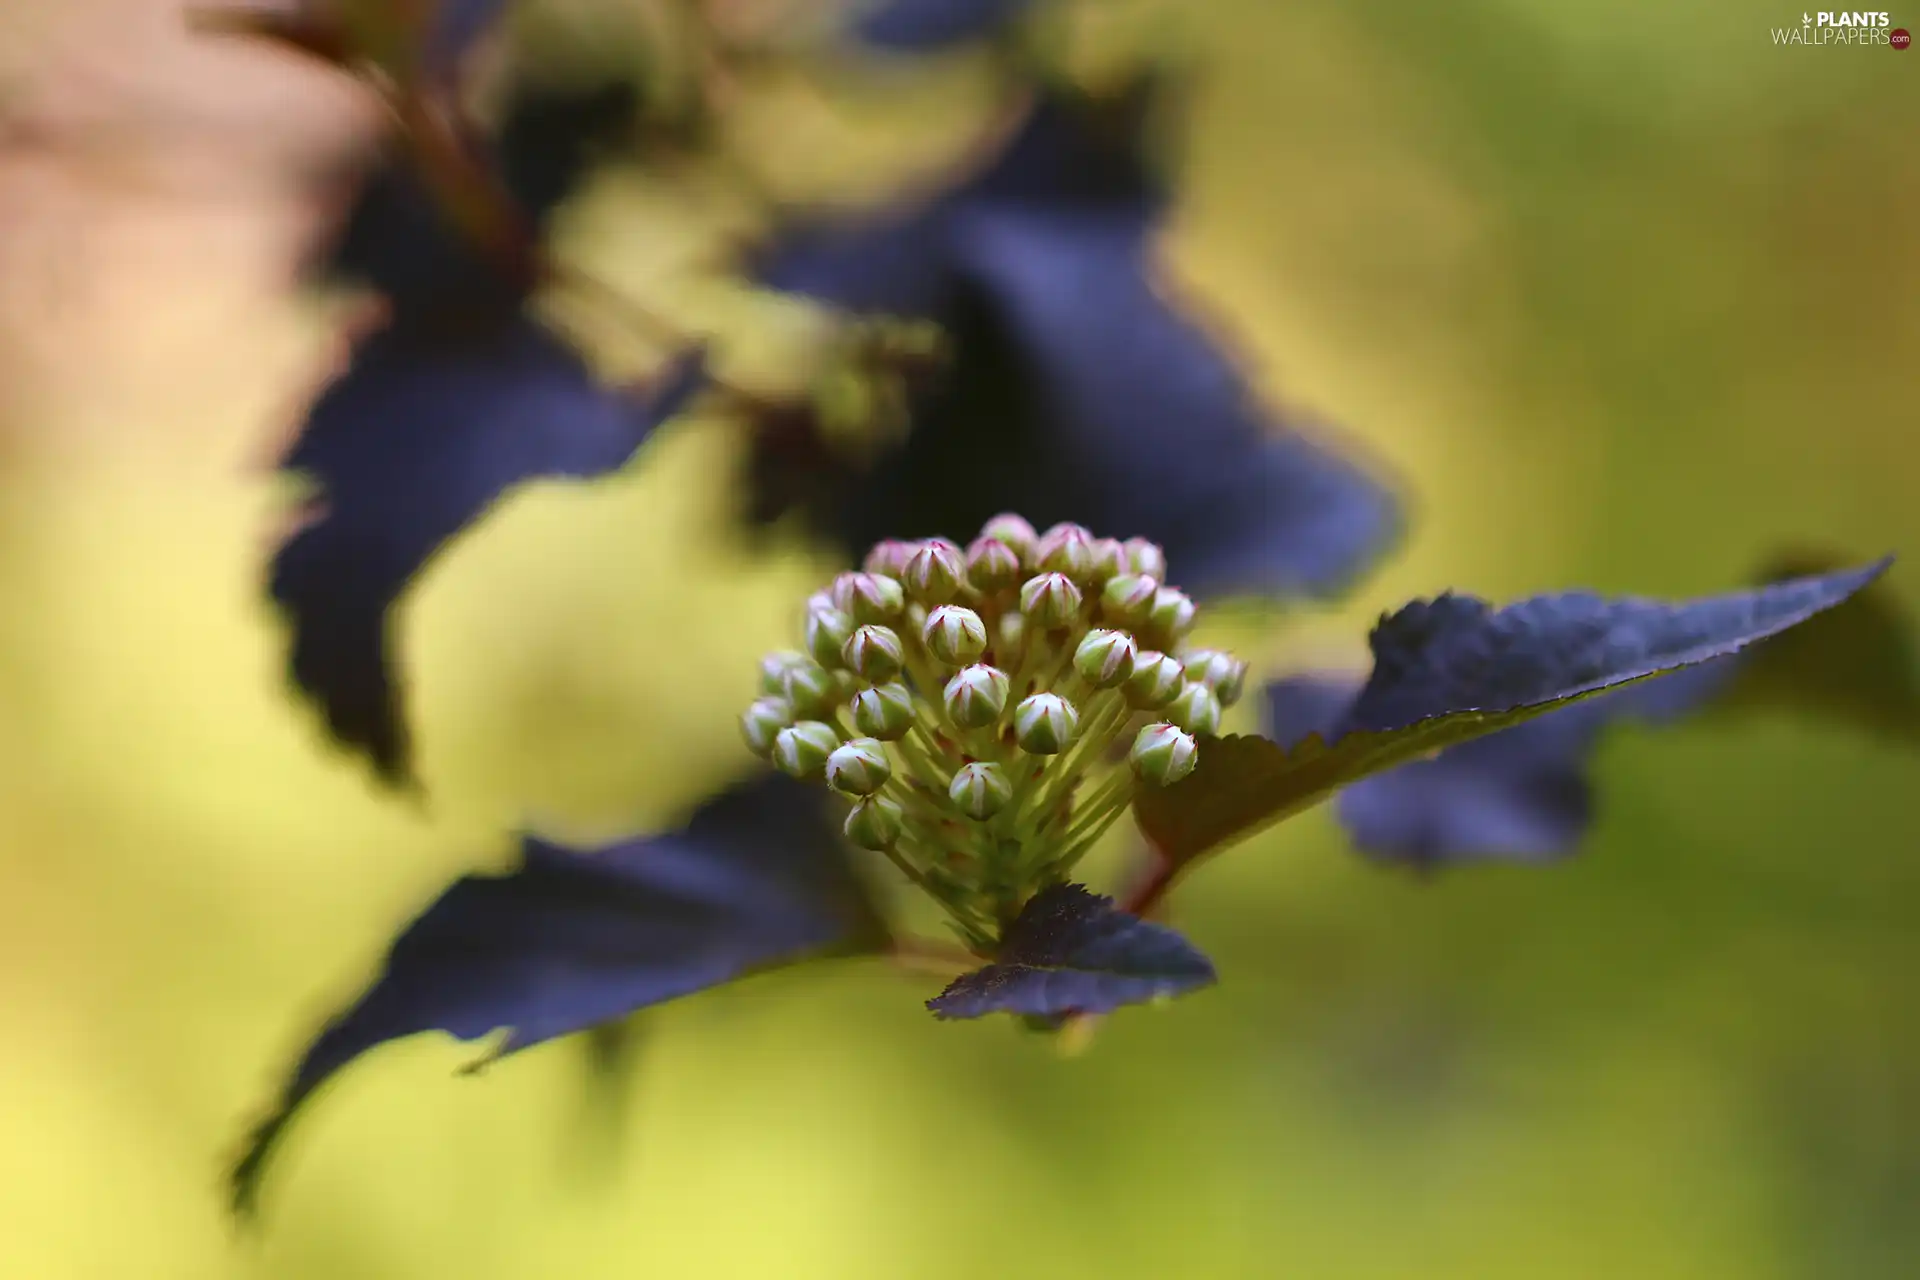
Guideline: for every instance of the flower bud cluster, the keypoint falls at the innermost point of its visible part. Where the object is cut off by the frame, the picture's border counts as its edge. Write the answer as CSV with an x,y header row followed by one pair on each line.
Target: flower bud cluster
x,y
988,711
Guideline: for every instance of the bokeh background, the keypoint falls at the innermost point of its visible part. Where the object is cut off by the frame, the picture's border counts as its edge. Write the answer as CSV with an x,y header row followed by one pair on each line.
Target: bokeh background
x,y
1627,297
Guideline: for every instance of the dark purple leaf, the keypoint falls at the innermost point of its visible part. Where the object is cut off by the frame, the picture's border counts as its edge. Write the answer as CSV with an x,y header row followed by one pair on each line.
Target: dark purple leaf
x,y
898,268
1076,390
1519,794
413,442
920,26
757,878
1161,432
552,134
1071,952
401,242
1453,669
1523,794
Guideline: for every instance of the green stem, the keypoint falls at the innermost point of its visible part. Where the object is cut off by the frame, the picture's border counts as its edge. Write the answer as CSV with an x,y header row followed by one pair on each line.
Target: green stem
x,y
1084,845
913,805
914,874
923,756
1107,804
1098,733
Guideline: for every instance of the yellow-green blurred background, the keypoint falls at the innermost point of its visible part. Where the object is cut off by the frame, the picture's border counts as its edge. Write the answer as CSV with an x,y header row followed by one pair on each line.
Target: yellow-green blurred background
x,y
1626,295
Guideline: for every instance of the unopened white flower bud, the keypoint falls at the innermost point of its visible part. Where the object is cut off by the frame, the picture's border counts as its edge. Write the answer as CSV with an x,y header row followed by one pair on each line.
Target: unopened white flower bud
x,y
1050,600
1162,754
980,790
1045,724
955,635
976,696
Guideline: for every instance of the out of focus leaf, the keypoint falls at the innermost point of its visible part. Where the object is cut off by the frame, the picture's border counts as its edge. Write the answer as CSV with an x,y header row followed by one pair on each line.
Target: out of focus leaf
x,y
920,26
1159,434
756,878
1076,389
1072,952
459,397
418,437
1523,794
403,241
1453,669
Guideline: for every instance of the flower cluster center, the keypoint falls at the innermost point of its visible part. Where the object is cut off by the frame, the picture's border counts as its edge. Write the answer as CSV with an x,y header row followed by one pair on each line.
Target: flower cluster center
x,y
989,711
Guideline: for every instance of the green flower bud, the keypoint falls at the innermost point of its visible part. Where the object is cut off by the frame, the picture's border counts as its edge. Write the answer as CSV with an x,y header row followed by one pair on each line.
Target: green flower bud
x,y
1163,755
888,558
1156,680
874,597
1015,532
1171,617
812,690
1105,658
955,635
1221,672
1045,724
763,721
935,572
885,712
774,668
976,696
874,654
980,790
859,768
802,749
1195,709
992,566
827,632
874,823
1050,600
1065,549
1144,557
1128,599
1109,561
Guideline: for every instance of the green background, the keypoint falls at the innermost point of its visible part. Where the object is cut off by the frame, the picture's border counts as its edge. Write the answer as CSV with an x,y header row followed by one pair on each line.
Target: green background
x,y
1624,294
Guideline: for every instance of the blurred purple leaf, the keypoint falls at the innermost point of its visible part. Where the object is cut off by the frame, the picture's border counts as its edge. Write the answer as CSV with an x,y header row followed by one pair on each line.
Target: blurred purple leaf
x,y
757,878
1453,669
1076,389
1072,952
412,443
922,26
401,240
458,398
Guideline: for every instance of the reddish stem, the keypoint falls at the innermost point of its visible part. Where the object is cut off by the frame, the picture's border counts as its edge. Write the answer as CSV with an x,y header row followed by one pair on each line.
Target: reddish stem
x,y
1145,897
